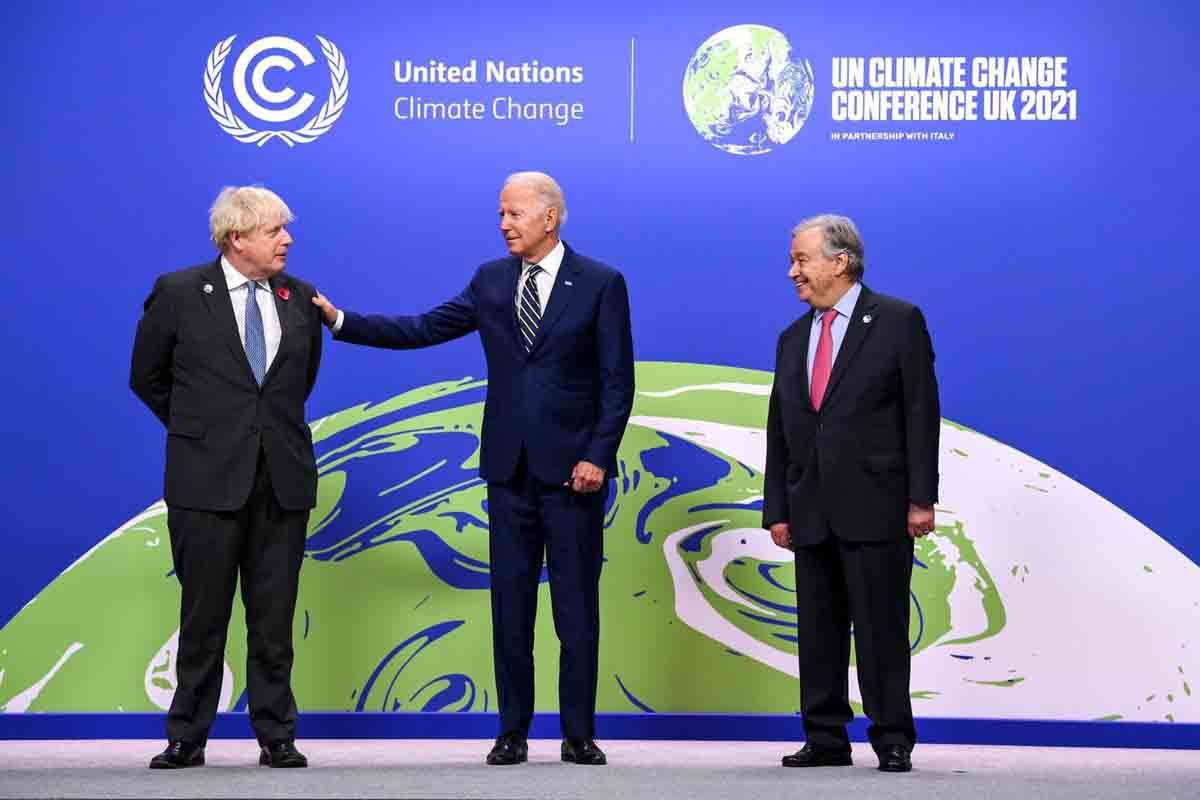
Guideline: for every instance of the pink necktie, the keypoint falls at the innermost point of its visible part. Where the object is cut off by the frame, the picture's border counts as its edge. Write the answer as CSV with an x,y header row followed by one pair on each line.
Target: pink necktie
x,y
823,362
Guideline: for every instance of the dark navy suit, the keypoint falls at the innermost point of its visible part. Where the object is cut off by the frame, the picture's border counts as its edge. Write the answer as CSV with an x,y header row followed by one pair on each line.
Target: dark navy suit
x,y
565,400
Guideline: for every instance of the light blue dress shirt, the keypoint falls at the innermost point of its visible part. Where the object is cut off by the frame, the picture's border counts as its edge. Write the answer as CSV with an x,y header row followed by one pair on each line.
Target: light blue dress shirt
x,y
237,284
845,308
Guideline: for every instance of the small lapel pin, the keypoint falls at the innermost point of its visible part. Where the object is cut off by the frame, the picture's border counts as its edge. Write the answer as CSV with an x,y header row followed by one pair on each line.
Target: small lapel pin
x,y
867,319
567,283
283,293
208,288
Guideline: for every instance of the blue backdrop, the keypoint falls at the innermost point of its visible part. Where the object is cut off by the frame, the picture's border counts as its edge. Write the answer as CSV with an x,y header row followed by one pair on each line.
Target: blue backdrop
x,y
1052,258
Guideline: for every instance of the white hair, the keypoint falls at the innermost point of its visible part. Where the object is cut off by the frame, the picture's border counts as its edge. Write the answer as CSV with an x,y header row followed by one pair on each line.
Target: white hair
x,y
242,209
839,235
547,190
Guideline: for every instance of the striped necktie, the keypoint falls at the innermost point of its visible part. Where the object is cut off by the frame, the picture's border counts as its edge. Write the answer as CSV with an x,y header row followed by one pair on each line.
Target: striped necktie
x,y
529,310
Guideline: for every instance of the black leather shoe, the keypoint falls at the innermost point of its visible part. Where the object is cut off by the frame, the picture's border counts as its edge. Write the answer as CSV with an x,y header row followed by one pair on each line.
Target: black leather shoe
x,y
583,751
510,748
813,756
281,755
179,754
895,758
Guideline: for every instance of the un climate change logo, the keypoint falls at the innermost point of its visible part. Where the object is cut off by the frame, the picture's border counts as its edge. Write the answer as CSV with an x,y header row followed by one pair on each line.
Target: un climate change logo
x,y
744,92
233,125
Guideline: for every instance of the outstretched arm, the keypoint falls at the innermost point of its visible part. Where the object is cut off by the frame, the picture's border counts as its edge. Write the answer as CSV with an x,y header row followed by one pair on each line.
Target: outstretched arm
x,y
452,319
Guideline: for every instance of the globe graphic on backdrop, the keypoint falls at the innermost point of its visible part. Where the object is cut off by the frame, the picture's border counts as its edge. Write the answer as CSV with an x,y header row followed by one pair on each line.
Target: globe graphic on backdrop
x,y
744,92
698,605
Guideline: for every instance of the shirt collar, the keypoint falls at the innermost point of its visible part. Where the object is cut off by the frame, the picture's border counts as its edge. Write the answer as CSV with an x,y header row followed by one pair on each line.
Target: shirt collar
x,y
845,306
235,279
550,263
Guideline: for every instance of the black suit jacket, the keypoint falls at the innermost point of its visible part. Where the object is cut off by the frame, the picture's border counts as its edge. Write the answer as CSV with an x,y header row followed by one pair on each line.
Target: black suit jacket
x,y
565,400
190,368
853,466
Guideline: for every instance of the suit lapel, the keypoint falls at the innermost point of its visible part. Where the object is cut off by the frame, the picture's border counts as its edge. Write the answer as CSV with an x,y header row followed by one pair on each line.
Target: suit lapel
x,y
513,278
221,308
560,297
284,311
801,353
856,334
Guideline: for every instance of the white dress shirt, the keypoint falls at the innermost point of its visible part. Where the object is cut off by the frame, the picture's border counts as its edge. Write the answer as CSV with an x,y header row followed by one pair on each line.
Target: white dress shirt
x,y
238,285
545,279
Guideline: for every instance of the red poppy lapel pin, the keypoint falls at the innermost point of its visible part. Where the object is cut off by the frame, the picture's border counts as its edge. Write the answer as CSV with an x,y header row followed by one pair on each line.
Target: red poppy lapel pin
x,y
283,293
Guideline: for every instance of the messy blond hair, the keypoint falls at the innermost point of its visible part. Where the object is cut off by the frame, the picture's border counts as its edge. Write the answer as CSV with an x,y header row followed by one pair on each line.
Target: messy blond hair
x,y
242,209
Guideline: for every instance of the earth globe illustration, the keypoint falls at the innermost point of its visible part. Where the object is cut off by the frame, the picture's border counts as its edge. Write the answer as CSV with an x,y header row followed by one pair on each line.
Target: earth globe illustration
x,y
744,91
1025,570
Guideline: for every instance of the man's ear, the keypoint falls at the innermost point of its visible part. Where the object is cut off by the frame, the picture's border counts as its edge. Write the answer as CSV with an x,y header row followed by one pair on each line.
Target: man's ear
x,y
551,218
843,263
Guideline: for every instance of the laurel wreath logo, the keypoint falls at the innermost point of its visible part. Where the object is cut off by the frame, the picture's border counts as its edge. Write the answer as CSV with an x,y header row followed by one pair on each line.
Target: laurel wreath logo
x,y
317,126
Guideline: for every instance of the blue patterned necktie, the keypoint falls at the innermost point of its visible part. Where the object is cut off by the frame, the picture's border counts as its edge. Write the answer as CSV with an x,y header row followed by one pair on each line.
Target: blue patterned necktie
x,y
256,340
529,311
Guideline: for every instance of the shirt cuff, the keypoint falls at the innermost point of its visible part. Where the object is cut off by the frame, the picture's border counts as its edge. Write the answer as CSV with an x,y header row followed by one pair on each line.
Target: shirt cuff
x,y
336,327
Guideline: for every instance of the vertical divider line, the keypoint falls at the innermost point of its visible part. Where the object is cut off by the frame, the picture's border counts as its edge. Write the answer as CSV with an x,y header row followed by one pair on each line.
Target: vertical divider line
x,y
632,88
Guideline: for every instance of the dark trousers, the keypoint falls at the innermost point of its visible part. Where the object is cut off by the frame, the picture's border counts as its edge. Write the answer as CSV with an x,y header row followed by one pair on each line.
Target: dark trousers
x,y
265,544
866,584
528,519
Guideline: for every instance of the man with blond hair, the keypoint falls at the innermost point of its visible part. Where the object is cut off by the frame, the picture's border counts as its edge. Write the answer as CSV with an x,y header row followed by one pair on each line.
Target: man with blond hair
x,y
226,354
555,328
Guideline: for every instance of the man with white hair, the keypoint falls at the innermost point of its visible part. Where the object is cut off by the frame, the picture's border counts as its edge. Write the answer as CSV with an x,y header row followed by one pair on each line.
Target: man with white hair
x,y
555,329
851,481
226,354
